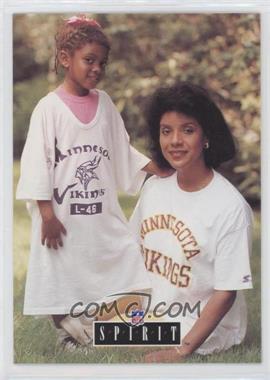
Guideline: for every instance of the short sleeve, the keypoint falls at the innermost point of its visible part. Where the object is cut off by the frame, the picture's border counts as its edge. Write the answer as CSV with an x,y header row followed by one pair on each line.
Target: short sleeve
x,y
128,162
232,262
37,161
136,220
141,209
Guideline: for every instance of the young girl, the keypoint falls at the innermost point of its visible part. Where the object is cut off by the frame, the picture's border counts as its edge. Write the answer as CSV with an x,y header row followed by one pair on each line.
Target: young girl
x,y
194,227
76,157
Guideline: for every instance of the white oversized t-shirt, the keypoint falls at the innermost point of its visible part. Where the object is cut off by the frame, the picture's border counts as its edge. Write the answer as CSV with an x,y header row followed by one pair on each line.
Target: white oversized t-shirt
x,y
80,167
193,243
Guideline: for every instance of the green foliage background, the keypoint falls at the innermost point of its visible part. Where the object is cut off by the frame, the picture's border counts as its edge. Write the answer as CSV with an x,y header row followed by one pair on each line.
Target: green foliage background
x,y
218,51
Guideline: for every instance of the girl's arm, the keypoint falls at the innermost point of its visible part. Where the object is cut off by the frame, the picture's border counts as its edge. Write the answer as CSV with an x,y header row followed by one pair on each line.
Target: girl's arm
x,y
218,305
51,228
153,168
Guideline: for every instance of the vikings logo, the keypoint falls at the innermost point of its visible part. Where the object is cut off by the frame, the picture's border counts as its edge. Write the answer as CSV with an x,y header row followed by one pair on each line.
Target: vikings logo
x,y
85,172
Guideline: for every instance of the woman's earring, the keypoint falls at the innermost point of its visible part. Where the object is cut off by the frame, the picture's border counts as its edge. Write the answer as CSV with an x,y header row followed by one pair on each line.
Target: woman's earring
x,y
206,145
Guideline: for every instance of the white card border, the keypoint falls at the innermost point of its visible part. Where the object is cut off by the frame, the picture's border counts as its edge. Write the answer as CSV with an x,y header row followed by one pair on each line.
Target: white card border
x,y
11,371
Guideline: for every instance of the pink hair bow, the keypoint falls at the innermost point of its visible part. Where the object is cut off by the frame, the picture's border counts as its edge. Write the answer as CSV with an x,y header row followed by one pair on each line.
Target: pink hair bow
x,y
78,20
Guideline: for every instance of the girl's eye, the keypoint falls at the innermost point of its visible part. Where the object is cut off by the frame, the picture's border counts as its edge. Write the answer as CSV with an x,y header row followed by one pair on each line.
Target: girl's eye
x,y
90,60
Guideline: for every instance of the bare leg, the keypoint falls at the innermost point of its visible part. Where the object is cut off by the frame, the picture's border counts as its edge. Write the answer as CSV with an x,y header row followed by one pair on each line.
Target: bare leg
x,y
57,318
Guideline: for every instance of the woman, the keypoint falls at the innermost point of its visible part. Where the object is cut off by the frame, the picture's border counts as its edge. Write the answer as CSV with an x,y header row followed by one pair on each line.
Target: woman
x,y
194,226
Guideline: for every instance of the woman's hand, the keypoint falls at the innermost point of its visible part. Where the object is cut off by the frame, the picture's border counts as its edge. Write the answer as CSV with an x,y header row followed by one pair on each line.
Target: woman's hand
x,y
173,355
216,308
51,227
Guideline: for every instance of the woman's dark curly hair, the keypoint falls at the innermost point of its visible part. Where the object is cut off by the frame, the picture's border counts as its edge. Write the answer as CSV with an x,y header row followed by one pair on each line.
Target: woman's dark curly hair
x,y
194,101
70,37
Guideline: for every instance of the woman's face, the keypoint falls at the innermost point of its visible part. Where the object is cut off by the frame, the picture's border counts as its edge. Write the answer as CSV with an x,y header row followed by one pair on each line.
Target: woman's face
x,y
182,141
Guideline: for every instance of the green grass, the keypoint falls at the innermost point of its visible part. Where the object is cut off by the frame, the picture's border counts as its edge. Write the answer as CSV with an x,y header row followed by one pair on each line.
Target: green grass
x,y
35,338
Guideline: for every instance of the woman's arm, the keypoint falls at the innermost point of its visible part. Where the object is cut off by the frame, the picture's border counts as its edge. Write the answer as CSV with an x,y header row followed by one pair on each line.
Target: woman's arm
x,y
218,305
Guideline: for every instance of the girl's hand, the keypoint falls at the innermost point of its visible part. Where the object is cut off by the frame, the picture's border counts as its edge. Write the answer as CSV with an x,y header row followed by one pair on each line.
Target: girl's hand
x,y
153,168
51,227
51,233
165,172
173,355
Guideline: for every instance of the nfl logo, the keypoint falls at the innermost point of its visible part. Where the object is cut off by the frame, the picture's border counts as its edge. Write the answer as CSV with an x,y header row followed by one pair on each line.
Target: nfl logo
x,y
137,317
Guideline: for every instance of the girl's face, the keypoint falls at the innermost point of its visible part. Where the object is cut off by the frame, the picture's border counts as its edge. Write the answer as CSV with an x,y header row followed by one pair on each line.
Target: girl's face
x,y
182,141
84,68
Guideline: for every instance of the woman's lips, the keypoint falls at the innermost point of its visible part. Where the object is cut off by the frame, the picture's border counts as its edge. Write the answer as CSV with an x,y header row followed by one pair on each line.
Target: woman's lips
x,y
177,153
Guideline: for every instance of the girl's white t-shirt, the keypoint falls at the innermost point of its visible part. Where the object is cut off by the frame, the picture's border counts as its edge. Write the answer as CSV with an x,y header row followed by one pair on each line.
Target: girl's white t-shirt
x,y
193,243
81,167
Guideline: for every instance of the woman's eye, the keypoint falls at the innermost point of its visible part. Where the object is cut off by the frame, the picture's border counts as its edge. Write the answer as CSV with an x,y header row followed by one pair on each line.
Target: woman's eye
x,y
188,130
165,131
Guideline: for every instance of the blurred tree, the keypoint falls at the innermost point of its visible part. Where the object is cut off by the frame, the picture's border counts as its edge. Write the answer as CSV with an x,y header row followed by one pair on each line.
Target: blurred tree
x,y
26,96
218,51
24,62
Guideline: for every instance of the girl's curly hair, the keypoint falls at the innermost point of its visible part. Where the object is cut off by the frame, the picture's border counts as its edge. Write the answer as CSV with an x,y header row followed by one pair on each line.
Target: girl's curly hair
x,y
194,101
72,36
